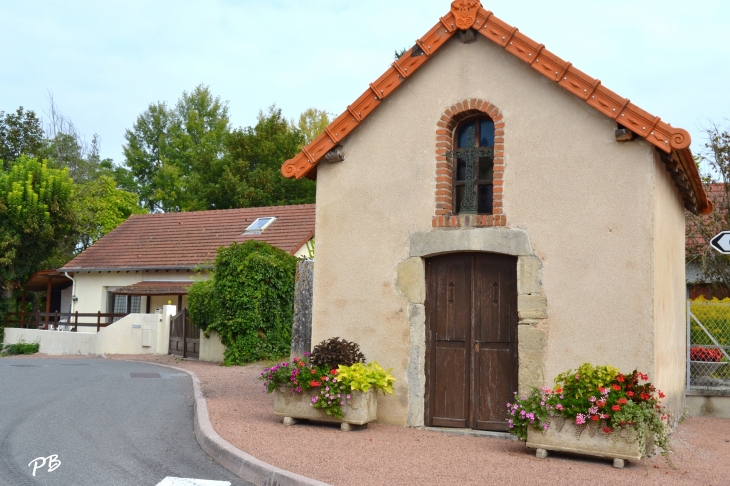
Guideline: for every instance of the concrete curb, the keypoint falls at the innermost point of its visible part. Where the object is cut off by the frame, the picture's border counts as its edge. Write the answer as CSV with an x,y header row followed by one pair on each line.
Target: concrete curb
x,y
226,454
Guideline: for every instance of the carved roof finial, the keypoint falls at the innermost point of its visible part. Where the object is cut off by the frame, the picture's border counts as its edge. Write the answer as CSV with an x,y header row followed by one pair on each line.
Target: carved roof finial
x,y
465,12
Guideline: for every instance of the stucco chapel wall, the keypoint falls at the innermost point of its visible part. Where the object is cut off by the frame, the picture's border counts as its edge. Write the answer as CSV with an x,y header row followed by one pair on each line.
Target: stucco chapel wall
x,y
670,291
584,200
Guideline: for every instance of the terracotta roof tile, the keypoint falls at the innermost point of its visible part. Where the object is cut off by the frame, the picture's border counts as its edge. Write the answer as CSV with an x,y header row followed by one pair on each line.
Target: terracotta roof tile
x,y
186,240
466,14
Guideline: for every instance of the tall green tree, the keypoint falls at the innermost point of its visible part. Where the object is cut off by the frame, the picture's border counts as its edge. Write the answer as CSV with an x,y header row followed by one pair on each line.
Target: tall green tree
x,y
102,206
168,147
20,133
312,122
36,215
250,174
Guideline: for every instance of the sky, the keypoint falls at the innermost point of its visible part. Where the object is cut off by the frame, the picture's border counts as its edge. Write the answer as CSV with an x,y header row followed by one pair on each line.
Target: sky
x,y
105,62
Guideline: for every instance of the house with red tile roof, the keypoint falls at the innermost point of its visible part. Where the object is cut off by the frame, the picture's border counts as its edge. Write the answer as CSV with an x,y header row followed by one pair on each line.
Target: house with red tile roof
x,y
152,259
489,216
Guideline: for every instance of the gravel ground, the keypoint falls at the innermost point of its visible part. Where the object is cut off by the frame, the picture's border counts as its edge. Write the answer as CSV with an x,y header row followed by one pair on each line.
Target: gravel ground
x,y
385,454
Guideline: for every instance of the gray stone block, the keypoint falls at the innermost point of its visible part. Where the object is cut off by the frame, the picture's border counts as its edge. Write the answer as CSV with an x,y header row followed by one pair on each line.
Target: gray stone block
x,y
411,280
416,364
301,338
497,240
531,346
528,275
531,306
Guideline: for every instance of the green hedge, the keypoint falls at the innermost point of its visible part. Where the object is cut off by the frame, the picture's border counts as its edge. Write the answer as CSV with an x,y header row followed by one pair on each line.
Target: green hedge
x,y
249,301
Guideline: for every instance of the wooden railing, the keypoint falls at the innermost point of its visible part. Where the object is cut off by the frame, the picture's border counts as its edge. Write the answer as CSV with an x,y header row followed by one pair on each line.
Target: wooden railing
x,y
51,320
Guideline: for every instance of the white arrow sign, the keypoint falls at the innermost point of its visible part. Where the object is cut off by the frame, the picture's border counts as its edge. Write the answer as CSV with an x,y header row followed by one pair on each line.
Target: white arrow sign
x,y
721,242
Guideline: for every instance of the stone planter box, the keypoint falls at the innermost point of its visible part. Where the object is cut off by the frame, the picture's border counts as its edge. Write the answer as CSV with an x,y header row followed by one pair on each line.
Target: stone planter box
x,y
358,411
592,441
705,368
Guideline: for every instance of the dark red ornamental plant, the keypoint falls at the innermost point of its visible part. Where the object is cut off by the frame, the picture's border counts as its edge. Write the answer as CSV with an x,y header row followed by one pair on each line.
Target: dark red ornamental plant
x,y
705,354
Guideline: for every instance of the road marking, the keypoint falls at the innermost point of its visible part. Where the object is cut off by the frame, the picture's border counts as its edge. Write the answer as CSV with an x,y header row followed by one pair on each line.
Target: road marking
x,y
171,481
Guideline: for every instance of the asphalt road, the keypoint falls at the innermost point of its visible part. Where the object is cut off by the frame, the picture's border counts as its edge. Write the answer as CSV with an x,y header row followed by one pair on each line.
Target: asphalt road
x,y
108,422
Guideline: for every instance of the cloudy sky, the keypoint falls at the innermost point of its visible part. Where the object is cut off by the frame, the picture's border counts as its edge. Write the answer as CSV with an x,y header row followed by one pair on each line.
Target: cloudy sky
x,y
105,62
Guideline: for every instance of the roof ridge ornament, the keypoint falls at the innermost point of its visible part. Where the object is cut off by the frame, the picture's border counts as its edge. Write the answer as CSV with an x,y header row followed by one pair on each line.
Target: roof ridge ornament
x,y
465,12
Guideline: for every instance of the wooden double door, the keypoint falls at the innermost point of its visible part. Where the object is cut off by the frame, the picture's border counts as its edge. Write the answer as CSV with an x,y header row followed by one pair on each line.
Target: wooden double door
x,y
471,340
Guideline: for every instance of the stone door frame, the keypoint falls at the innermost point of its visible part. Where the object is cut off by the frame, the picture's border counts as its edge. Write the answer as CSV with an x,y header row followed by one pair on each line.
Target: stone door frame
x,y
531,302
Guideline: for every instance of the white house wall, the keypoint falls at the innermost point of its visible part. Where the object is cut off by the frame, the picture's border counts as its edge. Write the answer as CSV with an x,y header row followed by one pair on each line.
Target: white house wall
x,y
92,287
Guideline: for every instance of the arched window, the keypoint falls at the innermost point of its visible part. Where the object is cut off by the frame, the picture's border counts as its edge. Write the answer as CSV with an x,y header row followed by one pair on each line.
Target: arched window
x,y
473,179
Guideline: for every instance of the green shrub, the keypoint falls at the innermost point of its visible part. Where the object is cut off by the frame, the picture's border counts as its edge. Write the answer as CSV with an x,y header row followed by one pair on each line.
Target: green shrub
x,y
21,348
249,301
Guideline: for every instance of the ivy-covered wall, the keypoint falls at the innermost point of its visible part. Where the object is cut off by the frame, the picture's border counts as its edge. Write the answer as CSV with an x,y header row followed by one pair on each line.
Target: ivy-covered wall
x,y
249,301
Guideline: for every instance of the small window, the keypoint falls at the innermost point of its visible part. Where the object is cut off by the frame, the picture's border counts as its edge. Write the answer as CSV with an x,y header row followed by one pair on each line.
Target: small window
x,y
474,178
258,226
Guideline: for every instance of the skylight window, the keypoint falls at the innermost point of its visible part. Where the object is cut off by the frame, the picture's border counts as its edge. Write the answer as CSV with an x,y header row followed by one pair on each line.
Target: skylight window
x,y
258,226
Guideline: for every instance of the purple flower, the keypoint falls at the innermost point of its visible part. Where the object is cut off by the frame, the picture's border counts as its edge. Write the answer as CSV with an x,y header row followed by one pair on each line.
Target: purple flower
x,y
348,397
342,403
306,353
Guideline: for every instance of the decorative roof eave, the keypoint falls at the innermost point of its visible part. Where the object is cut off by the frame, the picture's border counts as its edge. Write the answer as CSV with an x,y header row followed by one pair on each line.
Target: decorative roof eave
x,y
466,14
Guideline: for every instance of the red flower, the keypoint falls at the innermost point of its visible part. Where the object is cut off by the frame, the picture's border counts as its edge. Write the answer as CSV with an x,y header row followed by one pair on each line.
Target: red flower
x,y
644,396
594,418
616,387
630,394
622,401
323,378
644,376
607,430
601,404
333,372
301,364
661,394
559,390
616,408
314,383
620,378
314,371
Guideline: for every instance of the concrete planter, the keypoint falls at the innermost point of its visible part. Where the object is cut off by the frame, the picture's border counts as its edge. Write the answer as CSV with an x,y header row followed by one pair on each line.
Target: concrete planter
x,y
564,436
705,368
358,411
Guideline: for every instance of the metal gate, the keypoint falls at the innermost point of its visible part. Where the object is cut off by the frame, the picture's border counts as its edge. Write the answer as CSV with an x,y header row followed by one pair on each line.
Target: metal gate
x,y
708,345
184,336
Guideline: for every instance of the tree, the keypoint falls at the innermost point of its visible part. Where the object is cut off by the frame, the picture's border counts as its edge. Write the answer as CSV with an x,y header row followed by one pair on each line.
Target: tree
x,y
36,214
311,123
101,207
168,147
250,174
715,266
20,133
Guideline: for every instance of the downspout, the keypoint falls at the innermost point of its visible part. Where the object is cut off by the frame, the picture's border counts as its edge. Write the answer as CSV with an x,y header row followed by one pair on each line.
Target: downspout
x,y
73,292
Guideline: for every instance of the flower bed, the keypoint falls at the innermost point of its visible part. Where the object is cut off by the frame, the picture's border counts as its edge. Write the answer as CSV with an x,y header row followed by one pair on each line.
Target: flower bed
x,y
333,384
596,411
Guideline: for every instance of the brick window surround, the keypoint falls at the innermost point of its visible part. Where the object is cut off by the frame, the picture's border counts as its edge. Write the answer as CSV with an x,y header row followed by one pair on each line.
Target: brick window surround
x,y
444,217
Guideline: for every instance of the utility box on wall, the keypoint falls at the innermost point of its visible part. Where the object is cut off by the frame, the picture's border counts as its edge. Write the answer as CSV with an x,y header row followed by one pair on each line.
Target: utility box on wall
x,y
146,337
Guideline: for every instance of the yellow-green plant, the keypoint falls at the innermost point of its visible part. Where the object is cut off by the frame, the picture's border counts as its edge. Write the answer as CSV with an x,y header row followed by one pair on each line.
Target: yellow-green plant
x,y
362,377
